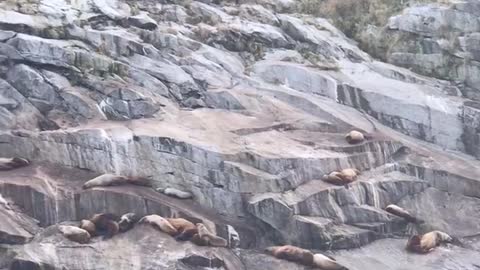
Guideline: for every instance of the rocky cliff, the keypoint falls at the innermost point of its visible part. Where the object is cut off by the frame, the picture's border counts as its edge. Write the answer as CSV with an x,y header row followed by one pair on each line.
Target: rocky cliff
x,y
246,106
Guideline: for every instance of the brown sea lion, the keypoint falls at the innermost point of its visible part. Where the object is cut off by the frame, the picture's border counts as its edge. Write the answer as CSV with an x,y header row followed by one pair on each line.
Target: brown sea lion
x,y
75,234
160,223
106,224
7,164
425,243
343,177
105,180
354,137
292,253
88,226
210,238
185,228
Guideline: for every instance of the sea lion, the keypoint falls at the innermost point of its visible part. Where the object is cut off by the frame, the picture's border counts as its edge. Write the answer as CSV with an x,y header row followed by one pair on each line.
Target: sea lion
x,y
160,223
75,234
427,242
106,224
210,238
88,226
398,211
292,253
343,177
176,193
185,228
7,164
127,221
327,263
354,137
107,179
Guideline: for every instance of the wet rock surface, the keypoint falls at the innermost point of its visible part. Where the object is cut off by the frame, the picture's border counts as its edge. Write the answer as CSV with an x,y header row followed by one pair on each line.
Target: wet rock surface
x,y
246,107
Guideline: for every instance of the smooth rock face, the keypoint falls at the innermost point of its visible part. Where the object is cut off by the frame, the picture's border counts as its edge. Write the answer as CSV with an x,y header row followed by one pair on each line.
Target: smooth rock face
x,y
246,107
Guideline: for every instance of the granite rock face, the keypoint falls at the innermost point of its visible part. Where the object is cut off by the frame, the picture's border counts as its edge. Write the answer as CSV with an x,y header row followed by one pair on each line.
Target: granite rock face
x,y
244,106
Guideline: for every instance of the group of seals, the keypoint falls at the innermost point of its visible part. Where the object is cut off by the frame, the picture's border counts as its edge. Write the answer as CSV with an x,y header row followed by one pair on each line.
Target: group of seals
x,y
419,243
184,230
105,224
424,243
304,257
108,225
7,164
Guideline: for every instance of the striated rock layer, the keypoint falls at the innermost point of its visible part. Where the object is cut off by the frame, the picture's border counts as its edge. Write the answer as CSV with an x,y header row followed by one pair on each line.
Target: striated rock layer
x,y
243,105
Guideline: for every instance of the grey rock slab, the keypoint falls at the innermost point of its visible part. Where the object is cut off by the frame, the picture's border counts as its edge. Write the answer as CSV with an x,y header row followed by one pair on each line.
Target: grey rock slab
x,y
15,228
258,13
442,211
113,9
162,70
142,20
13,18
31,84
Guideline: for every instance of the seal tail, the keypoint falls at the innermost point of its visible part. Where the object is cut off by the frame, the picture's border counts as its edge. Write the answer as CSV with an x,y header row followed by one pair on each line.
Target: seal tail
x,y
218,241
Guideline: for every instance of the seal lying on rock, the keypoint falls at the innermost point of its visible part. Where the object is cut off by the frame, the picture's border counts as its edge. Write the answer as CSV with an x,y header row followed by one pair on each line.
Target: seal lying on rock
x,y
209,238
127,221
343,177
106,224
427,242
160,223
186,229
305,257
354,137
327,263
88,226
105,180
75,234
7,164
291,253
398,211
176,193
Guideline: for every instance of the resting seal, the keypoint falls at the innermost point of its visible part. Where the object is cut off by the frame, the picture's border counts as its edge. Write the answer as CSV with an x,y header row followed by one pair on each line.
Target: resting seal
x,y
292,253
160,223
88,226
7,164
343,177
127,222
398,211
327,263
105,180
176,193
185,228
106,224
75,234
210,238
427,242
354,137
